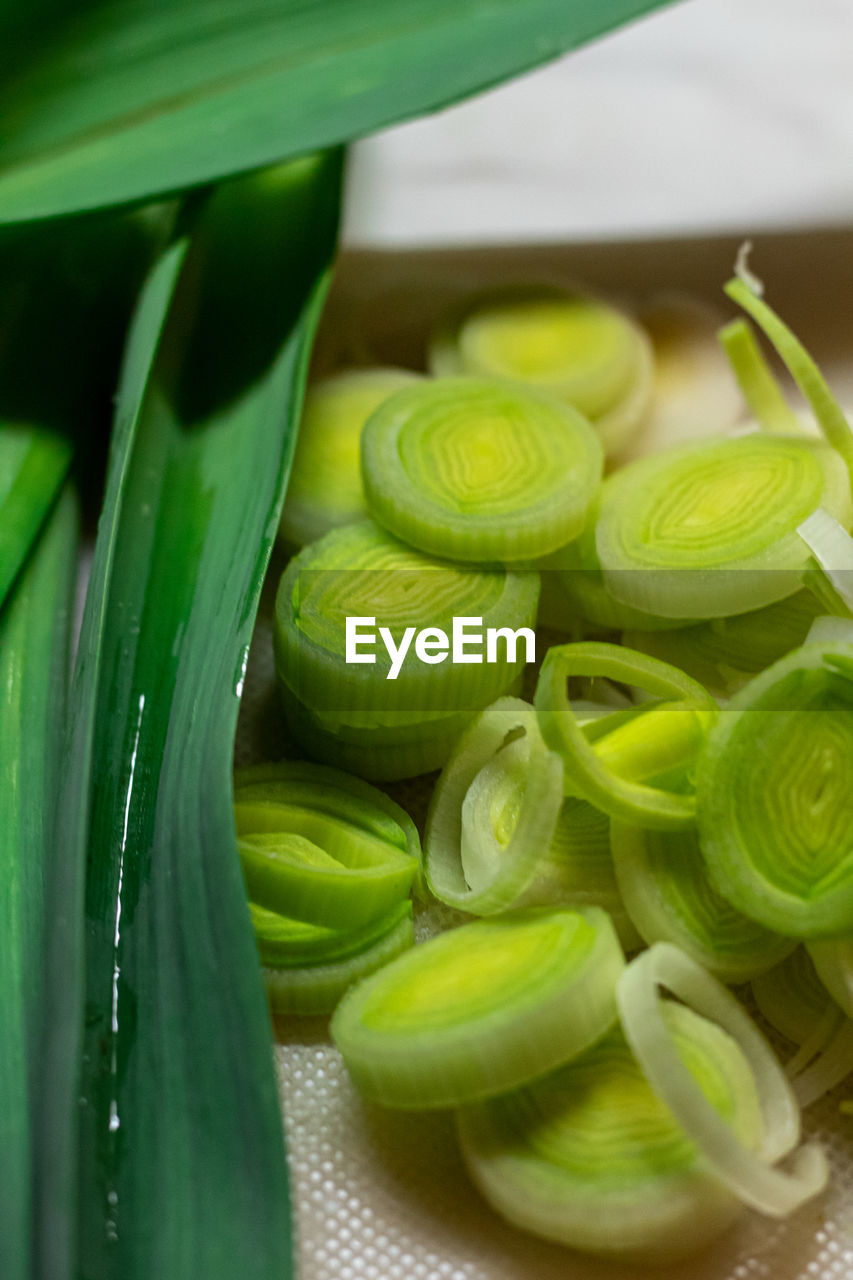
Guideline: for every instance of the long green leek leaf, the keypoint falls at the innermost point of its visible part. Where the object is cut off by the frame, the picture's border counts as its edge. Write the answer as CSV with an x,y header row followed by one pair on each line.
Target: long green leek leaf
x,y
181,1166
34,635
143,97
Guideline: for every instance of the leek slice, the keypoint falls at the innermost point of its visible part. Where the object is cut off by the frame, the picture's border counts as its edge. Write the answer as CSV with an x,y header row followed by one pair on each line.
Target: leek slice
x,y
752,1174
655,741
724,653
832,547
590,1157
792,997
361,571
34,653
478,470
775,795
339,960
325,488
482,1008
709,529
591,355
669,897
492,815
833,1062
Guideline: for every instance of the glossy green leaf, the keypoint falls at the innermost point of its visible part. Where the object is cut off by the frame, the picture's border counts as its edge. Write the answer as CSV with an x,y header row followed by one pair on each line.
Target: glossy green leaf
x,y
34,657
181,1159
142,97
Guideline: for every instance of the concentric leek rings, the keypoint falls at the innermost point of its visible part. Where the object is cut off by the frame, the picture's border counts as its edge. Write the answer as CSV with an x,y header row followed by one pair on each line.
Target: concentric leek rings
x,y
480,471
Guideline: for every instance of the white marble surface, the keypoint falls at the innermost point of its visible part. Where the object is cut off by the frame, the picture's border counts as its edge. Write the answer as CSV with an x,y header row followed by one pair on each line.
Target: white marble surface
x,y
707,115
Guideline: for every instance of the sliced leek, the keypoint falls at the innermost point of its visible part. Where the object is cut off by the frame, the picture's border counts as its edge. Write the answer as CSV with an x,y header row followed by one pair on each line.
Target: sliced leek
x,y
724,653
669,897
317,986
325,488
321,847
775,795
709,529
760,388
590,1157
479,470
591,355
833,962
482,1008
749,1170
493,812
607,765
792,997
832,547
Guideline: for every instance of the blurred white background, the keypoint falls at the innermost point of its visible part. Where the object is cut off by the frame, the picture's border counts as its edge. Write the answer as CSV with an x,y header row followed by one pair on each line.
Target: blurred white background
x,y
709,115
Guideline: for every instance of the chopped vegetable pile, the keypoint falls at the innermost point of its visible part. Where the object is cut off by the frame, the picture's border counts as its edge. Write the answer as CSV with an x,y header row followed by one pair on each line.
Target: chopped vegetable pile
x,y
671,779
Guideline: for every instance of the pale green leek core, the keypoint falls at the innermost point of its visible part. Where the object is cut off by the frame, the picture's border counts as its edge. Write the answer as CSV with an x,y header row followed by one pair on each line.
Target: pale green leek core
x,y
479,470
324,490
749,1170
589,354
589,1156
775,795
669,897
612,762
709,529
320,847
482,1008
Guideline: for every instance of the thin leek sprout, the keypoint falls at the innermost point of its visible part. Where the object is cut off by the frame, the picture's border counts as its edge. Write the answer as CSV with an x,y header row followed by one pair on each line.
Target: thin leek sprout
x,y
694,393
792,997
669,897
775,795
363,572
760,388
832,547
749,1170
590,1157
608,765
324,490
480,471
306,969
482,1008
709,529
590,354
321,848
493,813
833,962
808,377
724,653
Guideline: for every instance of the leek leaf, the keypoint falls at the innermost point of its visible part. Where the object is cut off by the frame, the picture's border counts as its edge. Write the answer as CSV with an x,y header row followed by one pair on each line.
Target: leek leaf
x,y
34,637
142,97
181,1159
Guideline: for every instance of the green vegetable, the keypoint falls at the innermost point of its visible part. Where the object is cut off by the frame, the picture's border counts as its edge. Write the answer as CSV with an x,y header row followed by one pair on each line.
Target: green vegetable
x,y
139,98
592,356
775,795
478,470
34,654
760,388
206,415
607,764
749,1170
709,529
590,1157
33,464
482,1008
339,960
325,489
669,897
